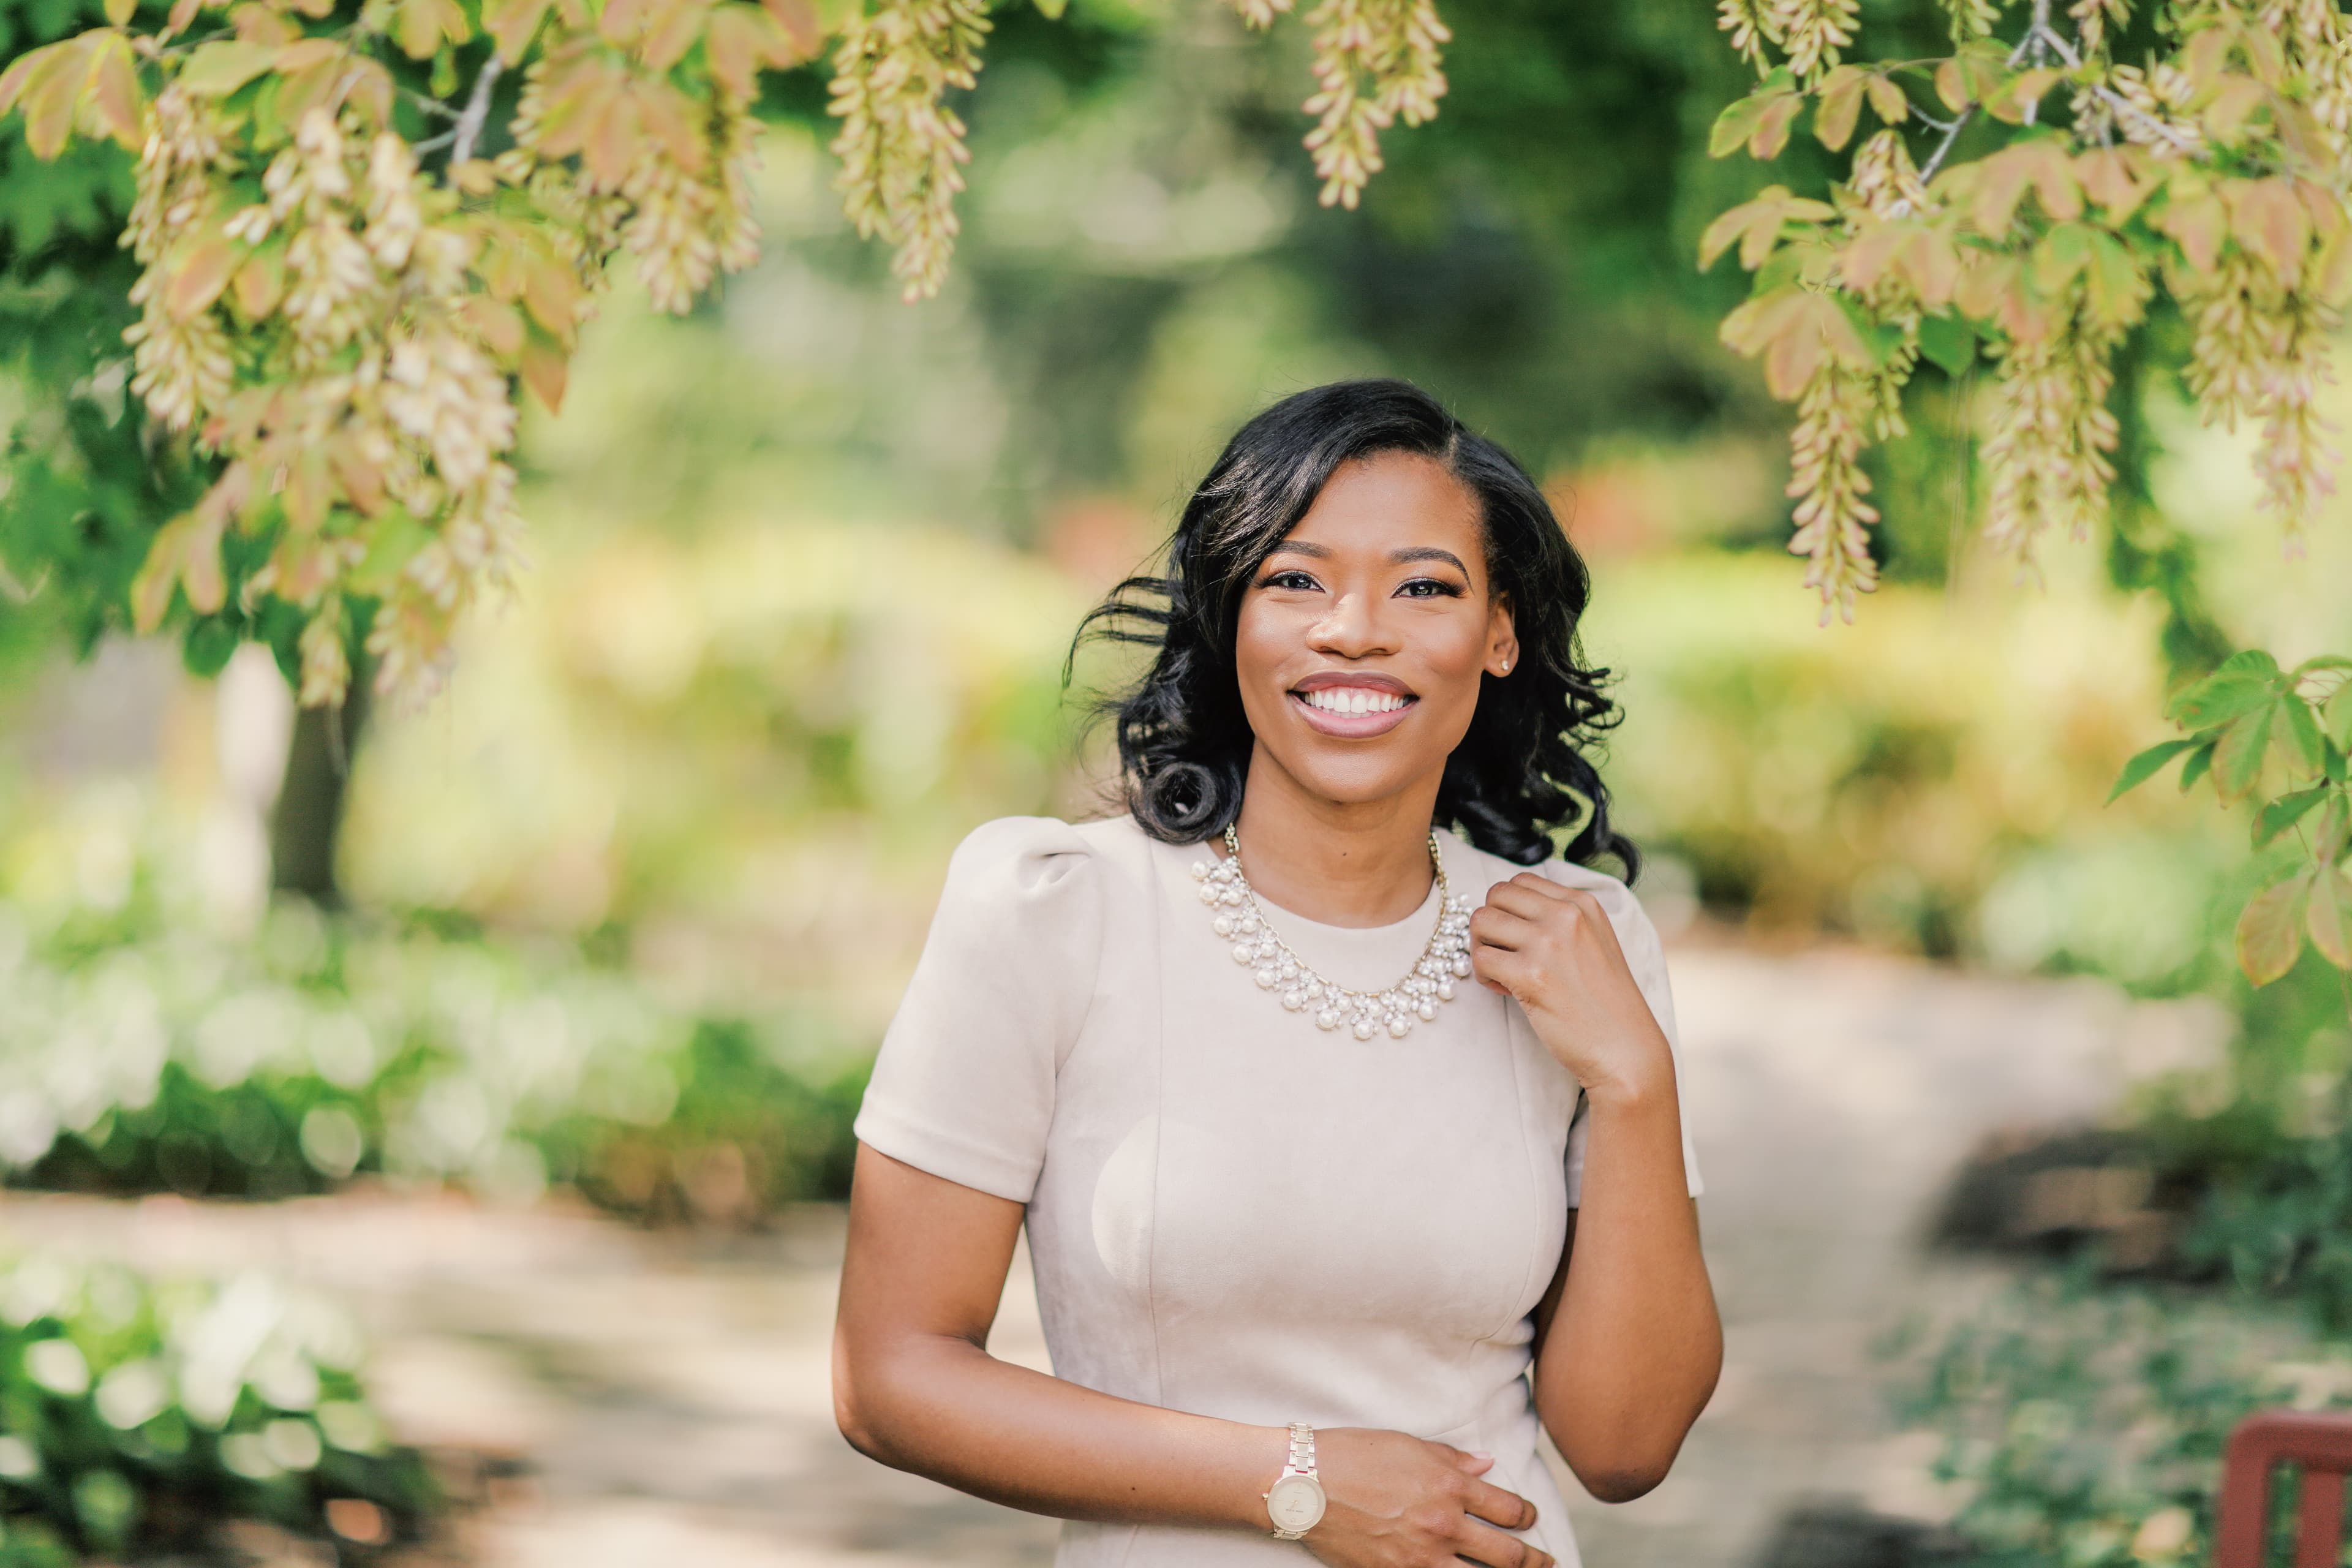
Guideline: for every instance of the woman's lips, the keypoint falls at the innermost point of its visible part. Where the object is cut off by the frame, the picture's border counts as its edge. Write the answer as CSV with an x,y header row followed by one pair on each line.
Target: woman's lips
x,y
1353,726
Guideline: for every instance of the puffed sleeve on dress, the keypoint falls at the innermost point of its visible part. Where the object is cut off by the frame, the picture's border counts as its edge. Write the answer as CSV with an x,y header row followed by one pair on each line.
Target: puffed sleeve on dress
x,y
963,1084
1646,956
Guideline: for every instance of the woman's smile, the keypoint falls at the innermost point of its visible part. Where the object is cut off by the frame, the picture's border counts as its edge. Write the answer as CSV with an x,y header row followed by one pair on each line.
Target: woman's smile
x,y
1352,704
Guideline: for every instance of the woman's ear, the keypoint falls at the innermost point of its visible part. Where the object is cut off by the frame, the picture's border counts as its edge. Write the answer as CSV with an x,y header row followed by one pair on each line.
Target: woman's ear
x,y
1502,637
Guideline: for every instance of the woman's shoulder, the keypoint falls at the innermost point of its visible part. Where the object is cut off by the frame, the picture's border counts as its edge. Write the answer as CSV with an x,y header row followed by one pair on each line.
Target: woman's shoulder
x,y
1020,859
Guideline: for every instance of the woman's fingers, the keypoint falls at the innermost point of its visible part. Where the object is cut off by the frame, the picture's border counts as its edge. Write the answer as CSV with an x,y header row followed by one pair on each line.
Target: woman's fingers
x,y
1496,1506
1527,894
1469,1462
1499,927
1482,1543
1499,969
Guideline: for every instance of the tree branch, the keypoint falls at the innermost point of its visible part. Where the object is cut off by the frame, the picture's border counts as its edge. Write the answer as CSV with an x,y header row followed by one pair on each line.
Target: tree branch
x,y
477,111
429,104
2038,36
1952,130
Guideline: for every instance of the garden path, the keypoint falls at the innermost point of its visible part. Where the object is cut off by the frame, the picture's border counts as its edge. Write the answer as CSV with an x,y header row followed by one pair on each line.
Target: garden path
x,y
664,1398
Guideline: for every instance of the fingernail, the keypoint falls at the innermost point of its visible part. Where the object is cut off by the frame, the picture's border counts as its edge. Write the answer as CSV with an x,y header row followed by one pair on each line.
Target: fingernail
x,y
1480,1454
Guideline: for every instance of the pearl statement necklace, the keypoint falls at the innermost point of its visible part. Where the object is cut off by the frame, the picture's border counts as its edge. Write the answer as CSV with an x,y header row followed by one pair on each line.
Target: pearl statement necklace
x,y
1444,960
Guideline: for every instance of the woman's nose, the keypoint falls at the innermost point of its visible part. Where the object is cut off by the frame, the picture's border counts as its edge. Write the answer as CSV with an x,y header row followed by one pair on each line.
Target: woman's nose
x,y
1352,629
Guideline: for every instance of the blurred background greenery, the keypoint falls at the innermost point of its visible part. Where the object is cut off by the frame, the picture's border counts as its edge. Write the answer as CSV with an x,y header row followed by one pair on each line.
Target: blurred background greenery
x,y
626,909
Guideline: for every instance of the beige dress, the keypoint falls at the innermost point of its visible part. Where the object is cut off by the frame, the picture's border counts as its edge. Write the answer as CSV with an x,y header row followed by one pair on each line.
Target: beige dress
x,y
1231,1211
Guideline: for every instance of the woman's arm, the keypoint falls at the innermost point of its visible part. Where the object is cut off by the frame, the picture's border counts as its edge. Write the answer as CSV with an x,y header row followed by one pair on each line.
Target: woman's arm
x,y
915,1387
1628,1344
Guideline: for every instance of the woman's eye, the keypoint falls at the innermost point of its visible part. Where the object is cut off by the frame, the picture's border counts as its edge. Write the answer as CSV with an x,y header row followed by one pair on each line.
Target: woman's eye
x,y
1291,580
1427,588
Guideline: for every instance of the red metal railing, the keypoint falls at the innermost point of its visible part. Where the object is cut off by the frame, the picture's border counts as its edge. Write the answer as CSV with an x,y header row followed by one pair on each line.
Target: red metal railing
x,y
2321,1446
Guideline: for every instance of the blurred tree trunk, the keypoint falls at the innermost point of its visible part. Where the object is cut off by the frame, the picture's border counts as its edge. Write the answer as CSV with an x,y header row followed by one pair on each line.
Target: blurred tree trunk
x,y
310,812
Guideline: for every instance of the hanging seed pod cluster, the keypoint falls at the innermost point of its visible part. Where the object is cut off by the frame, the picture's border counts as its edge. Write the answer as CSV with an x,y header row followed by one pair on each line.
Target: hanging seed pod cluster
x,y
363,226
2215,169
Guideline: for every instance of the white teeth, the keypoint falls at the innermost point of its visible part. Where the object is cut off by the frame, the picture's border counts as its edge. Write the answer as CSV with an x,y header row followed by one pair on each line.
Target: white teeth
x,y
1353,699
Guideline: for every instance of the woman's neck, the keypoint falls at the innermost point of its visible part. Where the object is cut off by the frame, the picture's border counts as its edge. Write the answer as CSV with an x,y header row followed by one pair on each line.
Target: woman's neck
x,y
1342,863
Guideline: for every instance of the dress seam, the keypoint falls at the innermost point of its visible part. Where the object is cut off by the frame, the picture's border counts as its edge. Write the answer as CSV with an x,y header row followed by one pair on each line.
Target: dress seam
x,y
1154,894
1514,1021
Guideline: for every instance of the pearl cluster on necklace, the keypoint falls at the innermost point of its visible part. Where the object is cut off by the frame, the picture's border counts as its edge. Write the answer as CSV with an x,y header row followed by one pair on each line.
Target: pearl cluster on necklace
x,y
1276,967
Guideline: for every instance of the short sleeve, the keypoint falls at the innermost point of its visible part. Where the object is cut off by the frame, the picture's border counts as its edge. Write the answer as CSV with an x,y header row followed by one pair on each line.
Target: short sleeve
x,y
1645,956
963,1083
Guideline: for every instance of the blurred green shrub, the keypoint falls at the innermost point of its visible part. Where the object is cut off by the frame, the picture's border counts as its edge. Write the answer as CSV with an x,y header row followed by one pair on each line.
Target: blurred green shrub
x,y
136,1413
2084,1427
2265,1209
743,1137
751,728
138,1057
1932,777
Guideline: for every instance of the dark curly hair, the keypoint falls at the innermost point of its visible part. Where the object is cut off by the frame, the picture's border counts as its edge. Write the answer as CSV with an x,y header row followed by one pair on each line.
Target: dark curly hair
x,y
1183,741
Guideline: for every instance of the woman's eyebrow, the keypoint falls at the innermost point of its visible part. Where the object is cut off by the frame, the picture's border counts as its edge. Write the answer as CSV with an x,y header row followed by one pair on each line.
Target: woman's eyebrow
x,y
1410,553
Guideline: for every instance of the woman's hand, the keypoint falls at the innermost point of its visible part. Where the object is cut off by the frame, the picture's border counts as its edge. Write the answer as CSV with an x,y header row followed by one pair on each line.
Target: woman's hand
x,y
1552,950
1392,1500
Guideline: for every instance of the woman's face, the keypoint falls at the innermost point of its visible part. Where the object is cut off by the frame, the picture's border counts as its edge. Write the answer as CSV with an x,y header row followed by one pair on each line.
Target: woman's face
x,y
1364,634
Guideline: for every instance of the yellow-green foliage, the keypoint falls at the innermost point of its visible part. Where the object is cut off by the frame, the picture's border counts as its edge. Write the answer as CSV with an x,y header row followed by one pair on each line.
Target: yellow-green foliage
x,y
354,245
772,724
2216,168
334,322
1883,779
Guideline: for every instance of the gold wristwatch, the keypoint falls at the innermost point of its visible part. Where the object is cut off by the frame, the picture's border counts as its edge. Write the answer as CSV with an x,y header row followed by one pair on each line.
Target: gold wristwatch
x,y
1295,1502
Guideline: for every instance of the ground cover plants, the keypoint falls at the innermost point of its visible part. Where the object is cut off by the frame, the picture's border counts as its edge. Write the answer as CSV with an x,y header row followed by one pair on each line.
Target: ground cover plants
x,y
136,1415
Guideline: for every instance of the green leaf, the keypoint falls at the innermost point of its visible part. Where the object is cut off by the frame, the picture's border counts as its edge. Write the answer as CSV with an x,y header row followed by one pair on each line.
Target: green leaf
x,y
2238,756
2332,760
217,69
2328,844
2302,733
2112,283
1051,9
2220,698
2318,662
1759,121
1880,339
2269,931
2195,768
394,543
2329,917
1736,124
205,649
1948,341
1840,106
1787,267
2142,767
2284,812
2339,705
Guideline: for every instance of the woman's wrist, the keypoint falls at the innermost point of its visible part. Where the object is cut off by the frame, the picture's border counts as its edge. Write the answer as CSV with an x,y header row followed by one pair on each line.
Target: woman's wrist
x,y
1636,1087
1260,1453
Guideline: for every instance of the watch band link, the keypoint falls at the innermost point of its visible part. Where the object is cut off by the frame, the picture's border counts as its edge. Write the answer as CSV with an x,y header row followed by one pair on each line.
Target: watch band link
x,y
1301,1462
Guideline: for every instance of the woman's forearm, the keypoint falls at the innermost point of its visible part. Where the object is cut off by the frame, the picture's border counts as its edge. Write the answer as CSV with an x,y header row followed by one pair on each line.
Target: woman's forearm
x,y
914,1387
943,1408
1634,1346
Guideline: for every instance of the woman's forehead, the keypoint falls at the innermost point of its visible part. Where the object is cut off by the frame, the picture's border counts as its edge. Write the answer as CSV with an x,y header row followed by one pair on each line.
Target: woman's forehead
x,y
1388,499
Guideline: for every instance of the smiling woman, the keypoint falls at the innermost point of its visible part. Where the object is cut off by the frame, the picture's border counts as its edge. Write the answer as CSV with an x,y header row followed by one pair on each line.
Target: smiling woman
x,y
1295,1276
1375,483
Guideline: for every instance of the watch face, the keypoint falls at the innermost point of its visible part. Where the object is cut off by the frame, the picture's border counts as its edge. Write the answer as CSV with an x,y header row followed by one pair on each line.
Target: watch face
x,y
1296,1503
